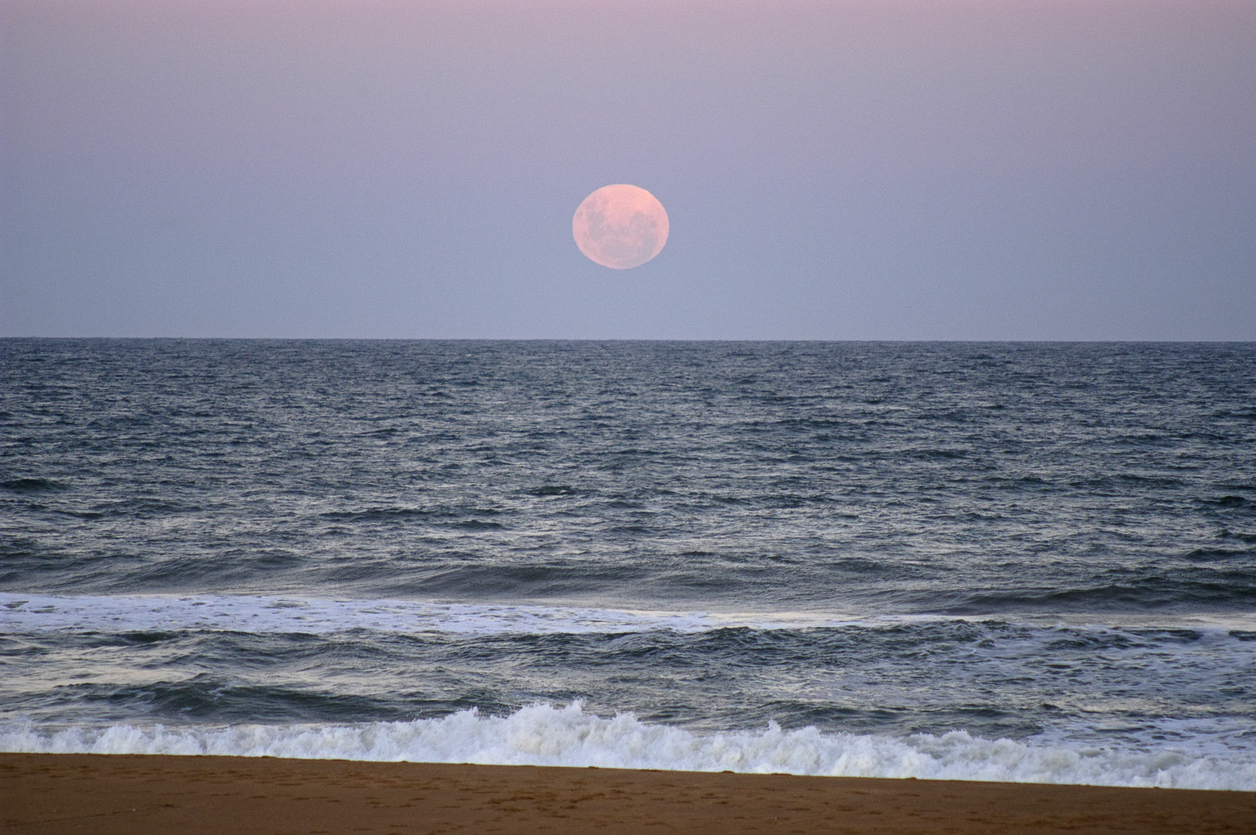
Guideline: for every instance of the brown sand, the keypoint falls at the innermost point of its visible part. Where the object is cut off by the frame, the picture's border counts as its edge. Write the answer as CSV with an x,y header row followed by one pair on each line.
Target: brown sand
x,y
147,795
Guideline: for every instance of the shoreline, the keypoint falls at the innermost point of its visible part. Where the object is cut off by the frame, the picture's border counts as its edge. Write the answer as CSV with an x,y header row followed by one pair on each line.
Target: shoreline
x,y
152,793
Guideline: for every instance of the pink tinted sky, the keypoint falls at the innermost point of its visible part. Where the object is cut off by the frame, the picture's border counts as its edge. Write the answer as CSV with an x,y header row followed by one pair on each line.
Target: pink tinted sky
x,y
883,169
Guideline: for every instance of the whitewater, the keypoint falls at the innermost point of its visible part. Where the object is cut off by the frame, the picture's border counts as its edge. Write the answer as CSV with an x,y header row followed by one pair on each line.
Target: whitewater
x,y
547,735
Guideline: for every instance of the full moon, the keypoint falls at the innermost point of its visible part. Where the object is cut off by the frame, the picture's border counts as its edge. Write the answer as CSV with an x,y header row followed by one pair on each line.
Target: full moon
x,y
620,226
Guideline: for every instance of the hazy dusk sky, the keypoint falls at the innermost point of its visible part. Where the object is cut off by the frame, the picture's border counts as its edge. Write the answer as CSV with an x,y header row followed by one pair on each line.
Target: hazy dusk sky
x,y
850,169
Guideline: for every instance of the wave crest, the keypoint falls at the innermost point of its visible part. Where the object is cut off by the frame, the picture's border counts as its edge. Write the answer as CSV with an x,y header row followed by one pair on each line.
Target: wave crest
x,y
549,735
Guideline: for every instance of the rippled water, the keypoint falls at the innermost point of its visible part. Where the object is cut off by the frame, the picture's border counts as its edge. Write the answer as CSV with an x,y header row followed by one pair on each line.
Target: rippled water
x,y
1049,543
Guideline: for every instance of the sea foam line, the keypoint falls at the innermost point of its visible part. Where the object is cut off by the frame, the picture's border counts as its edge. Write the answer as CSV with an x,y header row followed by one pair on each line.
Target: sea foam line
x,y
262,614
546,735
272,614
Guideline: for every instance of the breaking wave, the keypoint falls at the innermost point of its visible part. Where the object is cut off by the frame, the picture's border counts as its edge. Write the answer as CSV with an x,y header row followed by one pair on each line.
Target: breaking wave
x,y
549,735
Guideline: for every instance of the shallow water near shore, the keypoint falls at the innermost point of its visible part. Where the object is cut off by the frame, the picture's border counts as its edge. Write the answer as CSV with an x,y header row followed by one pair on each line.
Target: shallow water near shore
x,y
986,561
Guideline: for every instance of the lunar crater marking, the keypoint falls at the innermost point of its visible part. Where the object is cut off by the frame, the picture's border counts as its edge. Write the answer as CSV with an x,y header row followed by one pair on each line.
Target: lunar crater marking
x,y
620,226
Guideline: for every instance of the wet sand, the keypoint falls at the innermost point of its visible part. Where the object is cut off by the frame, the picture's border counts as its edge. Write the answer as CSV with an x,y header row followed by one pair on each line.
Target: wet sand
x,y
147,795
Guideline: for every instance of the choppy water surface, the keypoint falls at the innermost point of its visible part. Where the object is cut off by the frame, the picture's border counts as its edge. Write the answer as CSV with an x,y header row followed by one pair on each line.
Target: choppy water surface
x,y
995,561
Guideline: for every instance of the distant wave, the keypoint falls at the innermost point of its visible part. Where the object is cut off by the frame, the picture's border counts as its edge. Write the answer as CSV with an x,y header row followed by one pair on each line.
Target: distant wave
x,y
260,614
547,735
275,614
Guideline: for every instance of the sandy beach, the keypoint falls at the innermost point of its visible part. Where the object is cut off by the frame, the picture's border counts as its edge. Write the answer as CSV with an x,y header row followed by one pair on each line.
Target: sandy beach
x,y
56,793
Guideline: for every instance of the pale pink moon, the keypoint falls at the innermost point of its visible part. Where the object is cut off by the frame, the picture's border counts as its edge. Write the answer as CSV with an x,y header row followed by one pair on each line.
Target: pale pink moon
x,y
620,226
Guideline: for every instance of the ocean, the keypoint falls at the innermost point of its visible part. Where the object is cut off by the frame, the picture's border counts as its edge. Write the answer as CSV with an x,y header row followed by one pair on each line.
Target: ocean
x,y
992,561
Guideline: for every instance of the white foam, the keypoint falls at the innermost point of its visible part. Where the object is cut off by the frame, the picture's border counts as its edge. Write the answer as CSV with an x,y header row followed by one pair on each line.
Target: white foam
x,y
567,736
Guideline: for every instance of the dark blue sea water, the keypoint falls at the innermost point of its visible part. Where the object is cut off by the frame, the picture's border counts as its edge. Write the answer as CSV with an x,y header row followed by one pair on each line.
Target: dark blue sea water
x,y
987,561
